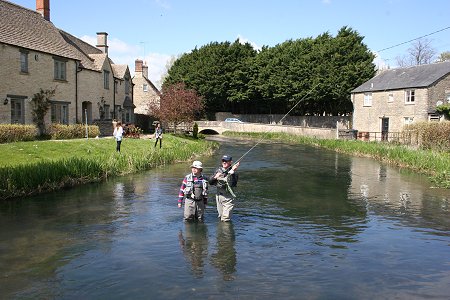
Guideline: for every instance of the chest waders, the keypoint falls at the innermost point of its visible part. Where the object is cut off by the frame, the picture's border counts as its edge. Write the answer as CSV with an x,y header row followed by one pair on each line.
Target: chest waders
x,y
194,195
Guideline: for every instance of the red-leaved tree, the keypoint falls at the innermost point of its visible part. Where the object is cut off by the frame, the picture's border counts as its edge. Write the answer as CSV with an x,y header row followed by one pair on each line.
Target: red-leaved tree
x,y
178,105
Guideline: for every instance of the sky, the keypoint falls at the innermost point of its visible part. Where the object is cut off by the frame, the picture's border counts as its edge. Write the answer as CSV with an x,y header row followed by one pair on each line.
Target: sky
x,y
158,30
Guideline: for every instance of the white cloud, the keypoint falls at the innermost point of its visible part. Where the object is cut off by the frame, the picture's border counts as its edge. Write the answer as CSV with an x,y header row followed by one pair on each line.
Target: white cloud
x,y
244,40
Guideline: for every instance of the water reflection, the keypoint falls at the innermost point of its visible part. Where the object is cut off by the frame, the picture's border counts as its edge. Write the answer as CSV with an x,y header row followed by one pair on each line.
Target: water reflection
x,y
194,245
224,256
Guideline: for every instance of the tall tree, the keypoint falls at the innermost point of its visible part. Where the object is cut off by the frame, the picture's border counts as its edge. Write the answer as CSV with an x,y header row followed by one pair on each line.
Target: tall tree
x,y
178,105
444,56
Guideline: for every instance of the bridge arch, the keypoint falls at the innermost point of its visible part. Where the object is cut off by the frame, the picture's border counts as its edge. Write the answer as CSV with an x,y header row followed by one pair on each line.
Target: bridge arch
x,y
208,131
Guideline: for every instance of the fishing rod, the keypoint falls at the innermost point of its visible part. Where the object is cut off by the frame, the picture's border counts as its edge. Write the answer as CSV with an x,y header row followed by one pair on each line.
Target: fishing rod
x,y
262,138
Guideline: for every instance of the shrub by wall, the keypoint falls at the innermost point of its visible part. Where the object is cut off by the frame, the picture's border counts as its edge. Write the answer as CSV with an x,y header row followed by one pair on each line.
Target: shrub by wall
x,y
14,133
433,136
76,131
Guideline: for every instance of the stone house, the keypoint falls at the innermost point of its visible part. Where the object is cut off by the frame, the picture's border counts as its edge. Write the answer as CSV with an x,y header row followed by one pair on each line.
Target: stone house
x,y
397,97
145,95
35,55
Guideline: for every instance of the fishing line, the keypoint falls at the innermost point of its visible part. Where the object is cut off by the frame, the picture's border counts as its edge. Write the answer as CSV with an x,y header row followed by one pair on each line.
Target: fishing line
x,y
262,138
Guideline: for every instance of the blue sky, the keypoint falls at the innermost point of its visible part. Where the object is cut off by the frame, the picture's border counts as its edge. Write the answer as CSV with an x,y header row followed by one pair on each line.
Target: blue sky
x,y
156,30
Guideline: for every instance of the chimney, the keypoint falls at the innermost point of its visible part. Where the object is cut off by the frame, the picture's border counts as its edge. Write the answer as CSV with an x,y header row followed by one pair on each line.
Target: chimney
x,y
43,7
102,41
145,70
138,65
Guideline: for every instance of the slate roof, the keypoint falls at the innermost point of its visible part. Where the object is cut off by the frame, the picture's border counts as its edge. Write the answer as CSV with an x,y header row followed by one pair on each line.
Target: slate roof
x,y
403,78
27,29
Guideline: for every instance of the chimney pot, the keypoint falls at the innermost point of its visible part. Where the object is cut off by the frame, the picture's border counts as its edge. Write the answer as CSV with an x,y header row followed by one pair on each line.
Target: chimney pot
x,y
43,7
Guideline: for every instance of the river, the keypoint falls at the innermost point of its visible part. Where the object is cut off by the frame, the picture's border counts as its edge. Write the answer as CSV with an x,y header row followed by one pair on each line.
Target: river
x,y
308,224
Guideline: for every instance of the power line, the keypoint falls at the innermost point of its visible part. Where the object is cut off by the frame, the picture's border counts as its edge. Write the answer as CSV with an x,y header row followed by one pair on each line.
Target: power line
x,y
414,39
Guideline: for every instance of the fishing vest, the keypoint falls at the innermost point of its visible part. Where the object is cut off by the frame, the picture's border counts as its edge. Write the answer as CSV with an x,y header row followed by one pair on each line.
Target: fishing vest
x,y
195,190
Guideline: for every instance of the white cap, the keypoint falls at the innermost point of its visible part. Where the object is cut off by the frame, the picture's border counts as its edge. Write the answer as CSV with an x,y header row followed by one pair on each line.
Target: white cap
x,y
197,164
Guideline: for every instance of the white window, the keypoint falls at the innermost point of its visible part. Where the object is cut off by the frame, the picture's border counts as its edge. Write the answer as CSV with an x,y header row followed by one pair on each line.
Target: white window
x,y
409,96
367,99
60,112
24,61
145,87
106,80
408,120
391,97
60,69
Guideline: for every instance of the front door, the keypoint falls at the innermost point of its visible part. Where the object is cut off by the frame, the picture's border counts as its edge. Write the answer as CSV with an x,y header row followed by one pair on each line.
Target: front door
x,y
384,129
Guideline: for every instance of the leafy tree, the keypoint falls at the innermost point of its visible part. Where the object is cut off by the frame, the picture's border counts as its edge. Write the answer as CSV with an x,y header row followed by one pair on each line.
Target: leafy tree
x,y
40,104
178,105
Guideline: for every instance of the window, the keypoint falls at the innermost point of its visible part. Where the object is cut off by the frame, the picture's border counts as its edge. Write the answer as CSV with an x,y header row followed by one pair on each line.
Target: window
x,y
17,111
127,86
367,99
60,112
116,87
23,61
408,120
145,86
60,69
391,97
409,96
106,80
126,115
107,111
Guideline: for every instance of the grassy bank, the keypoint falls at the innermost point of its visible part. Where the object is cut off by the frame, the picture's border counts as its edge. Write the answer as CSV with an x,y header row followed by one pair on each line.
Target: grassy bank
x,y
432,163
28,168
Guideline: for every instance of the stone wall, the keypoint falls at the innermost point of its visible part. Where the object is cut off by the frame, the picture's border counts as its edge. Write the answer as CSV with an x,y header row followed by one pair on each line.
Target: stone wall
x,y
341,122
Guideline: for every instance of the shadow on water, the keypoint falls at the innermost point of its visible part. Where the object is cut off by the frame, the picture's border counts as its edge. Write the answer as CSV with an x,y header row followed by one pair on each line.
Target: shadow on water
x,y
308,223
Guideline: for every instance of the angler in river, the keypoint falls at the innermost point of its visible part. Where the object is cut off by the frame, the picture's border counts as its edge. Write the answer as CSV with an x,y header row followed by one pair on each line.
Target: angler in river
x,y
194,193
225,178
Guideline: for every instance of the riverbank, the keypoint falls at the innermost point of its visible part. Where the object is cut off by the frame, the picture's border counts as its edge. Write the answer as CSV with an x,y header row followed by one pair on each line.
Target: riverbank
x,y
34,167
432,163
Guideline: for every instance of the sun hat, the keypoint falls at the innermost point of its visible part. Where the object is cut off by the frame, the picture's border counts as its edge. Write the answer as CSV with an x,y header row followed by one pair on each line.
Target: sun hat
x,y
226,158
197,164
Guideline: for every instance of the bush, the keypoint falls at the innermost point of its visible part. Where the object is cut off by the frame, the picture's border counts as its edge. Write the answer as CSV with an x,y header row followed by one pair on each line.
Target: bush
x,y
195,131
433,136
15,133
76,131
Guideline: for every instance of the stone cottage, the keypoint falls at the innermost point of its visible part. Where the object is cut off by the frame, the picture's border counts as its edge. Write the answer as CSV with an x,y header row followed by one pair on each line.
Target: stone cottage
x,y
35,55
145,94
396,97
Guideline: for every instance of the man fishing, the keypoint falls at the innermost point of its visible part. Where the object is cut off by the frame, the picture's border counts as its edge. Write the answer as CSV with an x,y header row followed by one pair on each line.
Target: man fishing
x,y
225,178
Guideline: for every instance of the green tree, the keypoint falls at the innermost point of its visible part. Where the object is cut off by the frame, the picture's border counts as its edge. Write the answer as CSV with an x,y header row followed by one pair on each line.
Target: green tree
x,y
40,104
444,56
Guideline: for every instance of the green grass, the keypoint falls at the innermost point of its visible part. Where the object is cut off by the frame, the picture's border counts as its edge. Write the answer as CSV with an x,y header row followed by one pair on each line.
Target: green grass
x,y
435,164
28,168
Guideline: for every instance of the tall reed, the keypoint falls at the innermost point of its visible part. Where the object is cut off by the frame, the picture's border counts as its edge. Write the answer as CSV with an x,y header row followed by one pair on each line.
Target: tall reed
x,y
47,175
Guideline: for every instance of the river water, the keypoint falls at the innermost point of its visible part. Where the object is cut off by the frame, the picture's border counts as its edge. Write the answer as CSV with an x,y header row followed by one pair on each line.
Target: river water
x,y
308,224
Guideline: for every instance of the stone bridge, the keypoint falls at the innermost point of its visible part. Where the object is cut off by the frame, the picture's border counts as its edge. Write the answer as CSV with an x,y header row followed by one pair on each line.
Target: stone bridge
x,y
219,127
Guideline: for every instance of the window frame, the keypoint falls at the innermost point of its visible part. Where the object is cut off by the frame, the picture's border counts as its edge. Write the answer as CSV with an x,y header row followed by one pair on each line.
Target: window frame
x,y
367,99
59,112
59,69
410,96
24,61
106,79
13,106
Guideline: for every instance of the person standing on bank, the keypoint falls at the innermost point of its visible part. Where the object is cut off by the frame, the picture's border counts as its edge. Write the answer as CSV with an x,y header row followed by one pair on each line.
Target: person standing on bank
x,y
118,134
194,193
158,135
225,178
